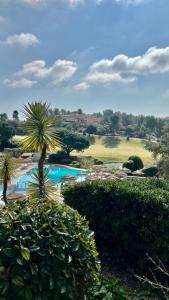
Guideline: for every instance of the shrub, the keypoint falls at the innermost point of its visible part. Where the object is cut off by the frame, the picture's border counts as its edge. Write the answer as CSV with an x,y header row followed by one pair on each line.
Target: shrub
x,y
110,289
98,162
138,163
129,218
46,252
129,165
53,158
150,171
59,158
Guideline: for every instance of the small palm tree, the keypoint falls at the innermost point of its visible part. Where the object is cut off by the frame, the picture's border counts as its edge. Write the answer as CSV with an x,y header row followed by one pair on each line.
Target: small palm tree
x,y
7,169
33,187
42,136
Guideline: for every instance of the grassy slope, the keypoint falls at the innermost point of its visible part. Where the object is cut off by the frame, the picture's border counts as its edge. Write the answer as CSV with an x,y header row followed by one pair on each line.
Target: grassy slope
x,y
118,152
114,149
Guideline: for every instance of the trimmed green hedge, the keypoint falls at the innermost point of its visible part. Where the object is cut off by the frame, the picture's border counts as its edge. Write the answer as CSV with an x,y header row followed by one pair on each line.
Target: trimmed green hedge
x,y
46,252
129,164
151,171
130,218
138,163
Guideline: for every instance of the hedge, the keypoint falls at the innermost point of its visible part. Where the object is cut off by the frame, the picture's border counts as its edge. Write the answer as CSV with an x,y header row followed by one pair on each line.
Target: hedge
x,y
129,164
138,163
46,252
130,218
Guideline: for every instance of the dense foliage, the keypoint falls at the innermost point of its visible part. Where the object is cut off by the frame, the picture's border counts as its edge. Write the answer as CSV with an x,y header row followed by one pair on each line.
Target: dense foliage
x,y
72,141
138,163
111,122
129,164
106,123
129,218
161,149
46,252
6,134
150,171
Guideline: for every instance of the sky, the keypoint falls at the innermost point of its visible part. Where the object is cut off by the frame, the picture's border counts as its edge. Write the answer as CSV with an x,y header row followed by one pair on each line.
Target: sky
x,y
89,54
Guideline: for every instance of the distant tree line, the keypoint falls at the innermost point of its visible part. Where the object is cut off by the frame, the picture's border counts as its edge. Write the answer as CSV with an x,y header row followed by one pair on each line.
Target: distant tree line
x,y
113,123
106,123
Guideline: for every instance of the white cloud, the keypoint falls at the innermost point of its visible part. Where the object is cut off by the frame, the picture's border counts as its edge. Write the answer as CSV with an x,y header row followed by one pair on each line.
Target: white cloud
x,y
83,86
127,69
60,71
23,40
19,83
36,71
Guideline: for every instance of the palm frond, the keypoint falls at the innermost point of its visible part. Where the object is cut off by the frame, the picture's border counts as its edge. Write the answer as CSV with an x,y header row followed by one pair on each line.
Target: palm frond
x,y
49,187
7,167
41,128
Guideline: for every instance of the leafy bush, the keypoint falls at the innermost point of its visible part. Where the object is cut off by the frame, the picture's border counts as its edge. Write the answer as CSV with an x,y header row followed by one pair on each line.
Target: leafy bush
x,y
129,218
46,252
98,162
129,165
150,171
110,289
59,158
53,158
138,163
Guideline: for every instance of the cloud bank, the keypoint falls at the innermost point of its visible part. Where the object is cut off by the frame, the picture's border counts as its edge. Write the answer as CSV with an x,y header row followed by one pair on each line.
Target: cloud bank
x,y
124,69
37,71
23,40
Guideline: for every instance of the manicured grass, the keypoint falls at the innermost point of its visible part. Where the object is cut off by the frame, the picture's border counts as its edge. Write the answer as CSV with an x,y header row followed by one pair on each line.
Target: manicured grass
x,y
110,149
114,149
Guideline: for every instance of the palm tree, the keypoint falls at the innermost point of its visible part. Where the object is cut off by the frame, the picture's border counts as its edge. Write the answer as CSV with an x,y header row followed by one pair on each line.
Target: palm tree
x,y
42,137
33,187
7,169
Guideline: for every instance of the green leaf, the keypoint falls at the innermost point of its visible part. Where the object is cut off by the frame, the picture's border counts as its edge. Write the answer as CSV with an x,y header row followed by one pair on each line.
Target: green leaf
x,y
17,280
25,254
28,293
9,252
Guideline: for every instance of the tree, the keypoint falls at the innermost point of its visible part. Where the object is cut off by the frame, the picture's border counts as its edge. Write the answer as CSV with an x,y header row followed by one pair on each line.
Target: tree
x,y
115,122
91,129
15,115
162,149
137,161
6,133
79,111
72,141
7,169
42,136
3,117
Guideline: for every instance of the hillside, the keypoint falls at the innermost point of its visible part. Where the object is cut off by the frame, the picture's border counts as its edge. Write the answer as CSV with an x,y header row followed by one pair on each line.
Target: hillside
x,y
117,149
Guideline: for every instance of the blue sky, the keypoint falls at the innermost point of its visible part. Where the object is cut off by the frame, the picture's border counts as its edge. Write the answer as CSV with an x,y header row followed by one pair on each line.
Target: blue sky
x,y
85,53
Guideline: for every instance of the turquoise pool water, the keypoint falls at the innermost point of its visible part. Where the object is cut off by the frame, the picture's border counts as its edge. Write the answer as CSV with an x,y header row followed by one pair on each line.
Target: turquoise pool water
x,y
55,174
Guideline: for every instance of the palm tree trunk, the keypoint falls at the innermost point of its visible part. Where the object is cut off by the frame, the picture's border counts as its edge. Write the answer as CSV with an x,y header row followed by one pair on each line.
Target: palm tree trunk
x,y
5,187
41,172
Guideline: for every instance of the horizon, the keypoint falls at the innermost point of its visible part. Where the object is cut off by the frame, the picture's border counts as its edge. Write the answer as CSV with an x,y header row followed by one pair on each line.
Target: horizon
x,y
97,55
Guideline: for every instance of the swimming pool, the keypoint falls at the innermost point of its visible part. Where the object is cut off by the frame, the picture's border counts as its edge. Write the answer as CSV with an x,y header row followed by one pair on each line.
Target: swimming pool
x,y
55,174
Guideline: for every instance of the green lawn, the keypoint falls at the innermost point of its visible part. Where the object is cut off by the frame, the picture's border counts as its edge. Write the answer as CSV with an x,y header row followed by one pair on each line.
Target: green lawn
x,y
117,149
114,149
